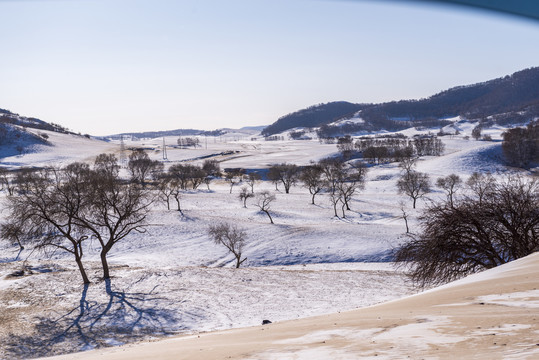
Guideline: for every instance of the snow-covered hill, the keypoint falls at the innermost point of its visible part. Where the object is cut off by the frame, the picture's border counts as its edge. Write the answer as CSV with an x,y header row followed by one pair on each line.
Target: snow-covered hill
x,y
55,149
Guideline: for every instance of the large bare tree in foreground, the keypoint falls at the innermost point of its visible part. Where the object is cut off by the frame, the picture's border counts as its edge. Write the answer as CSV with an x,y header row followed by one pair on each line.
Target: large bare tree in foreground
x,y
60,208
116,210
474,233
46,210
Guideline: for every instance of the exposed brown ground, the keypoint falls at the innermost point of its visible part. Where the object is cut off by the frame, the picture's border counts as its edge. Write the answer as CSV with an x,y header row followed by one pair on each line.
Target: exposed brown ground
x,y
493,315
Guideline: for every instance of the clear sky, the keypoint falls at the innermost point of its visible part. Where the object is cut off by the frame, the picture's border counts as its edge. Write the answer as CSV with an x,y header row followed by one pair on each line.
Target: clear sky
x,y
110,66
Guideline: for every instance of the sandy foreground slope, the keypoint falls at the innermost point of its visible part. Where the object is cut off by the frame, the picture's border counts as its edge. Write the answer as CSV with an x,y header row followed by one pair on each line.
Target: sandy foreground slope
x,y
491,315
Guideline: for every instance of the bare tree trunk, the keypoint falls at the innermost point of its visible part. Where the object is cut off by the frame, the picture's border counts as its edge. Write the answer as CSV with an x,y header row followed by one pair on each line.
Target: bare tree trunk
x,y
21,247
238,261
105,264
406,222
267,213
312,200
286,187
78,259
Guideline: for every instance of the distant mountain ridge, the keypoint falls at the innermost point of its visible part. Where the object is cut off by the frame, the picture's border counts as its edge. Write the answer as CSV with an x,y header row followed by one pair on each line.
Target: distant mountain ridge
x,y
313,116
510,99
185,132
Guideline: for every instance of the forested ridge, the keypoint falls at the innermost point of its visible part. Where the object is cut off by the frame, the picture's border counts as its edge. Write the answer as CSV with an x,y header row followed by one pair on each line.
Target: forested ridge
x,y
506,100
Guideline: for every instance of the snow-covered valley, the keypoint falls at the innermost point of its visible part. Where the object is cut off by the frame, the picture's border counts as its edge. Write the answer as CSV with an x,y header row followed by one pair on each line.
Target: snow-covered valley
x,y
174,279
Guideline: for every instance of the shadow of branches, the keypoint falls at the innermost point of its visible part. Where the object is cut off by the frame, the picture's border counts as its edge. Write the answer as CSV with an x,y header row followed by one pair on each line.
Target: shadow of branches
x,y
114,319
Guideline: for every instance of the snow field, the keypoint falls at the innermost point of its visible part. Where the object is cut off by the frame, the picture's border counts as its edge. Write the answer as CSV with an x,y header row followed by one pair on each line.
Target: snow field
x,y
307,263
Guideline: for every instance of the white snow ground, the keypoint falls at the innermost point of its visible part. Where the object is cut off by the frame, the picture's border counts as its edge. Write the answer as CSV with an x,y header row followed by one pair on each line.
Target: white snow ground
x,y
177,280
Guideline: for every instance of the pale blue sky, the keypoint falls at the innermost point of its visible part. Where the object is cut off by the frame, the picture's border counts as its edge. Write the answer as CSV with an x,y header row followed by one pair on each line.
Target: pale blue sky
x,y
109,66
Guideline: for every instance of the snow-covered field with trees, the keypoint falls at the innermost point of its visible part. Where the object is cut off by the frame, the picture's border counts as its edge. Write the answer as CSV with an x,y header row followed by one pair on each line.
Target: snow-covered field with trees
x,y
173,278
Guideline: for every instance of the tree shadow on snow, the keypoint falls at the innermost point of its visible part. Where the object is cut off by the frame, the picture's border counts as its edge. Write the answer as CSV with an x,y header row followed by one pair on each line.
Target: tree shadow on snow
x,y
123,317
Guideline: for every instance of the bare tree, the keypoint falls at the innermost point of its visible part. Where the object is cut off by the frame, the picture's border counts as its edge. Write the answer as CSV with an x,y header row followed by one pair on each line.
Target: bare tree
x,y
13,230
404,216
167,186
234,177
273,176
141,166
231,237
196,175
177,195
476,132
334,172
188,175
414,184
114,211
47,208
212,170
6,181
251,180
244,195
345,145
408,164
311,176
480,185
108,164
345,189
471,236
212,167
450,184
264,200
287,174
353,180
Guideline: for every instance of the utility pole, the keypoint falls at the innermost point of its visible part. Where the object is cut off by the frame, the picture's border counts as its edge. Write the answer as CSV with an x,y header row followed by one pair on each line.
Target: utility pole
x,y
164,150
123,158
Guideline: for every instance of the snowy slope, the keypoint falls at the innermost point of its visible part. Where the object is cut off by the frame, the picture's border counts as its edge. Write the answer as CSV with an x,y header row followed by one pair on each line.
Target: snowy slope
x,y
61,150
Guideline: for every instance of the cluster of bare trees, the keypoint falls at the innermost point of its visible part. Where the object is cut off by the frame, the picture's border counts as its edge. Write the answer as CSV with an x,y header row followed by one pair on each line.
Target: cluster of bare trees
x,y
287,174
141,167
495,222
188,141
378,150
180,177
482,222
339,179
60,208
521,145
